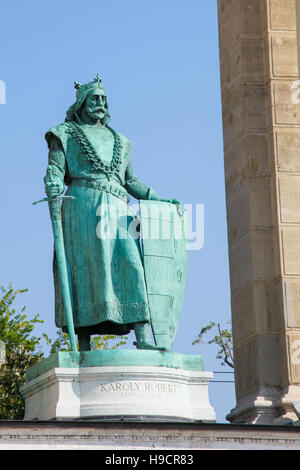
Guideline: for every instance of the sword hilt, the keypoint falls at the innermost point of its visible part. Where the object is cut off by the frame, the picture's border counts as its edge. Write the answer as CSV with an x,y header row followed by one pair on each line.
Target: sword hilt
x,y
49,178
53,199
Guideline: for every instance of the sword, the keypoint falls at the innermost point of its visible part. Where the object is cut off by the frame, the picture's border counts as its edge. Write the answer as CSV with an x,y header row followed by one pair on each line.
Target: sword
x,y
55,215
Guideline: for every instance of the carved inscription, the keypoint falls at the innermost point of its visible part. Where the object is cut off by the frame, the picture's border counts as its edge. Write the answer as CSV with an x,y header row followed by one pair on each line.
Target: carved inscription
x,y
152,387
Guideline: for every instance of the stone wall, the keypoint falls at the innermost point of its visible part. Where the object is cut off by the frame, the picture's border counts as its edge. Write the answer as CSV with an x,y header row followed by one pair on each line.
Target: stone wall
x,y
180,438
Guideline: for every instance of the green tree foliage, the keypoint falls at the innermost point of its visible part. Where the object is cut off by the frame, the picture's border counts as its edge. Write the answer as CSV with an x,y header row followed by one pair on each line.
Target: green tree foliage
x,y
223,339
101,342
22,351
20,344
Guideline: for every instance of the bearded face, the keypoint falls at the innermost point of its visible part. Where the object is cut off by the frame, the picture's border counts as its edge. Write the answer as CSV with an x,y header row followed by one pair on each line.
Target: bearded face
x,y
94,107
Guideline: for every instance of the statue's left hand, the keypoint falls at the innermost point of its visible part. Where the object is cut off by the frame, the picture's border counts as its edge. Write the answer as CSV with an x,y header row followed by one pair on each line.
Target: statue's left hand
x,y
179,206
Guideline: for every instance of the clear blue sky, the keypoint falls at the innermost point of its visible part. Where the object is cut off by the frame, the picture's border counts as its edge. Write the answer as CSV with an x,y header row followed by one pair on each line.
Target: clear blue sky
x,y
159,62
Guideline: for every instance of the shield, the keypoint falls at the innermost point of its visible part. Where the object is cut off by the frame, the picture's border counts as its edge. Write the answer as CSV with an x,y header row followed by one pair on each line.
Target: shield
x,y
165,261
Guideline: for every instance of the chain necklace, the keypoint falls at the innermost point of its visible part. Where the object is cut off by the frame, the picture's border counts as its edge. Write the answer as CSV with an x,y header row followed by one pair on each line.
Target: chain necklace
x,y
96,162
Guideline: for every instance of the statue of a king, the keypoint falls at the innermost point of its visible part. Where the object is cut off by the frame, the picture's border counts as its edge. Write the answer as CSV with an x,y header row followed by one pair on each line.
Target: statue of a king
x,y
106,277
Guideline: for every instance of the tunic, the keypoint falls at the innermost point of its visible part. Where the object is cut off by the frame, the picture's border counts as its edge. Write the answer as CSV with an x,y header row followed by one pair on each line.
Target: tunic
x,y
104,262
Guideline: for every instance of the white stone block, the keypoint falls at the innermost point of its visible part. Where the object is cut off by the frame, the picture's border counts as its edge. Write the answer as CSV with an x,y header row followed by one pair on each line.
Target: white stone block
x,y
119,392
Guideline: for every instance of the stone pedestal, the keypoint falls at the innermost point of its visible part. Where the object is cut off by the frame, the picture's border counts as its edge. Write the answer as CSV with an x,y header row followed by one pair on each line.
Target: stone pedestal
x,y
98,386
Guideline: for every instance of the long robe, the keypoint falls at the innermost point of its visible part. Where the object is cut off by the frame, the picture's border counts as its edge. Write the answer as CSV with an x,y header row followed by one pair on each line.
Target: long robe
x,y
105,269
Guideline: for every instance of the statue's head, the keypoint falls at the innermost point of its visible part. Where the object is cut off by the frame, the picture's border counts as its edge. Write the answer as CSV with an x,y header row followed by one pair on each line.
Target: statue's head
x,y
91,101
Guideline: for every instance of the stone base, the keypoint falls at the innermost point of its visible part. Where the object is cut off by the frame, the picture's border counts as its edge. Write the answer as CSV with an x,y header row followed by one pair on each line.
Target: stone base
x,y
268,405
79,386
155,440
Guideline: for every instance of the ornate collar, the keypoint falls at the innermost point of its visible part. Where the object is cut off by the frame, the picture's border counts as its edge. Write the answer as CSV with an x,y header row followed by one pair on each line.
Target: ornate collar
x,y
76,131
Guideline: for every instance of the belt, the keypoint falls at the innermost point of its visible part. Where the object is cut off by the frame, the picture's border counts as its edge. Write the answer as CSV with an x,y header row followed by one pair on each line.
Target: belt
x,y
103,186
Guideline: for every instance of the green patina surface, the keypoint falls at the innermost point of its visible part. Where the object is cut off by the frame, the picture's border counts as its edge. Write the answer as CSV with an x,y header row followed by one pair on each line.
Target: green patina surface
x,y
103,284
129,357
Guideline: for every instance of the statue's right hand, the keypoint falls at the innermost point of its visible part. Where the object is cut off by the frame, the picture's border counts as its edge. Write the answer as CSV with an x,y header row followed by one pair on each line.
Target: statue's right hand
x,y
54,188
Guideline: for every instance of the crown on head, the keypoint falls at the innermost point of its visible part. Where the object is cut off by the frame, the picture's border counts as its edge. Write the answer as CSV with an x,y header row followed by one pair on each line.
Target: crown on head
x,y
96,83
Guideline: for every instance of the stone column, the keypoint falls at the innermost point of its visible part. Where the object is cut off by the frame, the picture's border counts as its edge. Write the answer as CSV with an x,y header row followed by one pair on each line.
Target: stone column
x,y
298,30
261,121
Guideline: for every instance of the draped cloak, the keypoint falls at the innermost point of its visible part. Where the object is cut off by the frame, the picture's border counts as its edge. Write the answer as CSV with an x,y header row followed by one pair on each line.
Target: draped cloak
x,y
104,262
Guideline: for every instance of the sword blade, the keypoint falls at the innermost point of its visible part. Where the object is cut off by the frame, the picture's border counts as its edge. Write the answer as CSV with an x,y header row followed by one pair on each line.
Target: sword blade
x,y
55,214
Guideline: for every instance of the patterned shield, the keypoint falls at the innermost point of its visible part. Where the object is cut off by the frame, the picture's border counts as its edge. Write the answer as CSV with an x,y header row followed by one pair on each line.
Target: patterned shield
x,y
165,262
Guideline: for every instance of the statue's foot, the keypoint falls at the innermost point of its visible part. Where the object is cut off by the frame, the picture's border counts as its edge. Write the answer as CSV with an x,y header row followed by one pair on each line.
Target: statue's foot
x,y
84,340
147,345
